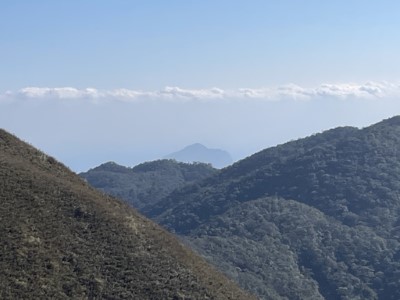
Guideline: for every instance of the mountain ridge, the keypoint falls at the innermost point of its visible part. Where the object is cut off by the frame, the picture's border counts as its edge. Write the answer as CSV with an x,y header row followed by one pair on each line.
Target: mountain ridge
x,y
337,141
146,183
346,177
63,239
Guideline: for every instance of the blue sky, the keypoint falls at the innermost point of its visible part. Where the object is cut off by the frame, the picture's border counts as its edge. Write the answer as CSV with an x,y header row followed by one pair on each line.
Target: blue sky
x,y
89,81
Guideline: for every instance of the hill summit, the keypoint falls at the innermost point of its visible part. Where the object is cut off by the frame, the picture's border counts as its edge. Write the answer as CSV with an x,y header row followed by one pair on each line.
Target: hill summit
x,y
61,239
199,153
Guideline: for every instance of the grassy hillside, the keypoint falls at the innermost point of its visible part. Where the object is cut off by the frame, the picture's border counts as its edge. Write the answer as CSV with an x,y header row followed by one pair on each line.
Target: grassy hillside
x,y
61,239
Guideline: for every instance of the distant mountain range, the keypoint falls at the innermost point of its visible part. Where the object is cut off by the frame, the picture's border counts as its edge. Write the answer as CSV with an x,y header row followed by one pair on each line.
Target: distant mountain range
x,y
146,183
315,218
62,239
199,153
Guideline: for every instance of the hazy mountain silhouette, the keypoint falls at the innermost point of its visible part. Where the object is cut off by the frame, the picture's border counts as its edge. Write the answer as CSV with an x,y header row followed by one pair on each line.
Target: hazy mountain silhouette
x,y
316,218
199,153
61,239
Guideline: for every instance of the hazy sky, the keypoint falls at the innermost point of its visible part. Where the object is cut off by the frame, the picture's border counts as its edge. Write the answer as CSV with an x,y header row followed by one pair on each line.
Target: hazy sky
x,y
92,81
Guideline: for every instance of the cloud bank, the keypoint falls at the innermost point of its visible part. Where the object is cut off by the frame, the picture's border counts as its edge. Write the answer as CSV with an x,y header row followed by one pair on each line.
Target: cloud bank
x,y
370,90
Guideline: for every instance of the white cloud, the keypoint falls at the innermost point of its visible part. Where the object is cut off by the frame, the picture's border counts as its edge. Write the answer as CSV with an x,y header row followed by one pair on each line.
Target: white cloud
x,y
369,90
172,92
125,94
59,93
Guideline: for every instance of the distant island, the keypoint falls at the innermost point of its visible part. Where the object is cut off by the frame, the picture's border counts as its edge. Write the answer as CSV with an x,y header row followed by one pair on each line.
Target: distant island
x,y
199,153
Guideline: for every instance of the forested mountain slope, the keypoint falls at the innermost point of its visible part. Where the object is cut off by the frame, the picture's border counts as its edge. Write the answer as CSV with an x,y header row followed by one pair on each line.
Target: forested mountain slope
x,y
148,182
347,173
322,214
61,239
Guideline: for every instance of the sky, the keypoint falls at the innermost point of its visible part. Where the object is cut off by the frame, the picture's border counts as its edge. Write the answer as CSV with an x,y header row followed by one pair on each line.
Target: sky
x,y
129,81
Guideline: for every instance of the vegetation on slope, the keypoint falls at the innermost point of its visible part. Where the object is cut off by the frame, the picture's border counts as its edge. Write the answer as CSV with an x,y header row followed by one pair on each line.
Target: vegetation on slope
x,y
279,245
146,183
336,238
61,239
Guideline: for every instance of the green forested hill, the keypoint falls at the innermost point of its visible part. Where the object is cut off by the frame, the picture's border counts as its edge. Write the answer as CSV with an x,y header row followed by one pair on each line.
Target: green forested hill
x,y
61,239
314,218
148,182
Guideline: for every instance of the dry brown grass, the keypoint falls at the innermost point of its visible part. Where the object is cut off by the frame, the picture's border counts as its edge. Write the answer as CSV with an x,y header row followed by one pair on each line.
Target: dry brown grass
x,y
61,239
